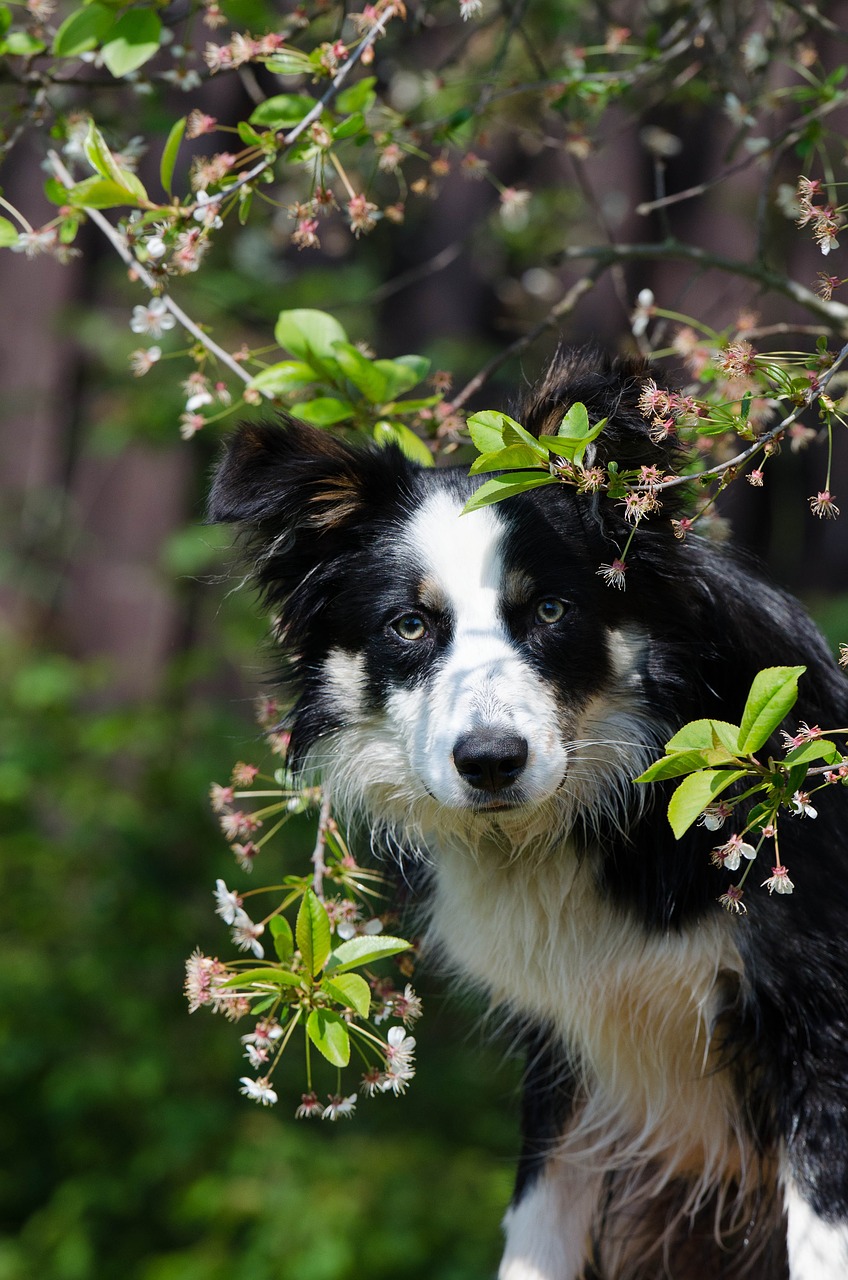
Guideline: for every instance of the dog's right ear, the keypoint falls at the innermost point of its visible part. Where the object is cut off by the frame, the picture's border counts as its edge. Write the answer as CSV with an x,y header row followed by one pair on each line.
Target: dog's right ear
x,y
287,477
274,478
302,498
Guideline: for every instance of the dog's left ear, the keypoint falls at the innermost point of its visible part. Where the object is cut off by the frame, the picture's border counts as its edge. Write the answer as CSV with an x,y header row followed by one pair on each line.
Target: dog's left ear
x,y
610,387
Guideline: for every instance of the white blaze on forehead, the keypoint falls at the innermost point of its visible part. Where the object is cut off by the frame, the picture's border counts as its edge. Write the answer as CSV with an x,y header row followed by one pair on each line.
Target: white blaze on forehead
x,y
461,558
481,680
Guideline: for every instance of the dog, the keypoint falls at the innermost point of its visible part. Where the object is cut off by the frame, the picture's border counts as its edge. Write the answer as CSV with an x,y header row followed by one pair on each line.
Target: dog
x,y
473,687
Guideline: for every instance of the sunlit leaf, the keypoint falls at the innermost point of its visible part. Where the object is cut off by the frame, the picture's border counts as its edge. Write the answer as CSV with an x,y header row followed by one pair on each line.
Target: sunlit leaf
x,y
391,432
358,97
135,39
288,375
700,734
328,1032
8,233
695,793
773,694
363,950
169,155
82,30
349,989
323,411
282,110
305,333
281,931
506,486
312,931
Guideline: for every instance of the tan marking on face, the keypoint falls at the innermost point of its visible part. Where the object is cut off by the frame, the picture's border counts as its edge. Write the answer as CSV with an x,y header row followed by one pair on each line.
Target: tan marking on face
x,y
431,595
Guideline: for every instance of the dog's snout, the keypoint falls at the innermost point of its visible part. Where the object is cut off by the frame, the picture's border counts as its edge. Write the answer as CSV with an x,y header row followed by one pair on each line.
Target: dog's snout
x,y
490,760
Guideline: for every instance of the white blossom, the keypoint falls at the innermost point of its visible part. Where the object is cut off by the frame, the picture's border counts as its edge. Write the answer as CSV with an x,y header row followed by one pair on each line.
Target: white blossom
x,y
259,1090
154,319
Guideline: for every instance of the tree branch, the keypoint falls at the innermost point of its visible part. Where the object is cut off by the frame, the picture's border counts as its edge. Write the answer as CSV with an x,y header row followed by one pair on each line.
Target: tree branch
x,y
835,313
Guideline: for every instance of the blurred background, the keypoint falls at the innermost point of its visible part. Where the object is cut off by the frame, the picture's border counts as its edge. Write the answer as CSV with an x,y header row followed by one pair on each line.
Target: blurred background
x,y
130,662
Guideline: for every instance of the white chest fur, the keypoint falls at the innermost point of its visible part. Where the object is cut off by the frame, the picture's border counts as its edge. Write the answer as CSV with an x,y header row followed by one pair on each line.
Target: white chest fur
x,y
636,1009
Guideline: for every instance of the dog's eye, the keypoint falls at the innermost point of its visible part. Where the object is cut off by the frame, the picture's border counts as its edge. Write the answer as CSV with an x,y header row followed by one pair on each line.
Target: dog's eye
x,y
410,626
549,610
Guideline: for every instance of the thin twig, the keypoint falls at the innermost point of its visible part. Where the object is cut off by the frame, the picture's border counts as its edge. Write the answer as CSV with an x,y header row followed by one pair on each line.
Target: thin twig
x,y
562,308
318,863
790,135
834,312
312,115
121,247
761,441
119,242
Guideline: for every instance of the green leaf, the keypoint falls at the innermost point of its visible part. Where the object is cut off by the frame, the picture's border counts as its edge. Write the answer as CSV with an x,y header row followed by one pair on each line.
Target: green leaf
x,y
509,459
329,1033
773,694
680,762
278,977
387,432
282,110
698,735
761,814
288,375
574,434
289,62
82,30
281,931
100,193
5,19
135,39
249,136
351,990
306,333
350,127
8,233
55,191
411,406
169,155
312,931
505,486
575,423
402,373
695,793
363,950
22,45
487,430
361,371
323,411
100,158
358,97
818,749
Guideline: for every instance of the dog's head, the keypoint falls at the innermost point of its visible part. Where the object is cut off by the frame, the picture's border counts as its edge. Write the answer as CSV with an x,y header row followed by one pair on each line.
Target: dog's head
x,y
473,669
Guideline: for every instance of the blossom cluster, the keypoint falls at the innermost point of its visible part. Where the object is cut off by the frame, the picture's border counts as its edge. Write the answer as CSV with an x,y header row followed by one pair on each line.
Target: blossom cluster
x,y
826,219
318,975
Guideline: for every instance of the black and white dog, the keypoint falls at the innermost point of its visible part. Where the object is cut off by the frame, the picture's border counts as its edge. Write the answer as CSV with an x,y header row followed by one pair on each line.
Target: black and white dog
x,y
473,687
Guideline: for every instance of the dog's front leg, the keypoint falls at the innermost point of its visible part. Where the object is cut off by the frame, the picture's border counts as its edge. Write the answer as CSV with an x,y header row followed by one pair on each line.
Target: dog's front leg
x,y
548,1229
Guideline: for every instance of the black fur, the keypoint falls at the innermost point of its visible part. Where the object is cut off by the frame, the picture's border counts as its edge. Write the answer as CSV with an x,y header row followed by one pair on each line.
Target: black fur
x,y
322,519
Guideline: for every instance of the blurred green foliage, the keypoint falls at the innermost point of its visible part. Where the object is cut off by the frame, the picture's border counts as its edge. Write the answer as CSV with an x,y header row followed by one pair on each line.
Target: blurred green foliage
x,y
126,1149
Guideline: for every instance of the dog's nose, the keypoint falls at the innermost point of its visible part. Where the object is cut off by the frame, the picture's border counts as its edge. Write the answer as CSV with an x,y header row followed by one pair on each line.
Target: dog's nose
x,y
490,760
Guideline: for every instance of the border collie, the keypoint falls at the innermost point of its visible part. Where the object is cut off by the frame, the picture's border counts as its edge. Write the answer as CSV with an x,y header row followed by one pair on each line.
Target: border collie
x,y
474,689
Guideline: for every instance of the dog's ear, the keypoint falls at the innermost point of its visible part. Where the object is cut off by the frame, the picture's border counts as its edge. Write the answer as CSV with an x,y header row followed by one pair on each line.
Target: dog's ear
x,y
303,499
610,387
276,478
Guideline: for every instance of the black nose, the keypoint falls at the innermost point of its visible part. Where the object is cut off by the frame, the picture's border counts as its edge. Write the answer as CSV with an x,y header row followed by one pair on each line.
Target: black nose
x,y
490,760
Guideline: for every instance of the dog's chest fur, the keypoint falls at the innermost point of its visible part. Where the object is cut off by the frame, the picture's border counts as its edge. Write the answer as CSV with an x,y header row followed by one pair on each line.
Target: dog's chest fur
x,y
636,1011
